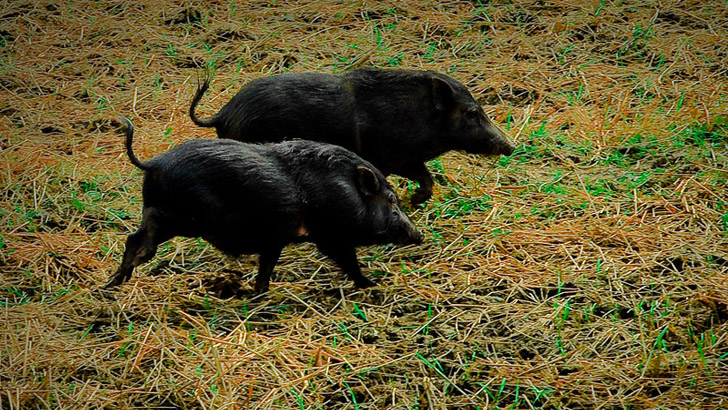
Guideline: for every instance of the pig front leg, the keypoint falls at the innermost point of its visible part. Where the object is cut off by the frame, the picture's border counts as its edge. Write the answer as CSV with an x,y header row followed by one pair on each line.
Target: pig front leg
x,y
267,262
345,259
420,174
140,246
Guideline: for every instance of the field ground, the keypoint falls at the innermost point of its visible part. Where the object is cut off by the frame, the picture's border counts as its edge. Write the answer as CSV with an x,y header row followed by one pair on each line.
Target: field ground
x,y
588,270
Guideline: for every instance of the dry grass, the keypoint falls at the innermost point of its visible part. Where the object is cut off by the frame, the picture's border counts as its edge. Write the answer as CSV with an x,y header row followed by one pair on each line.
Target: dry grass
x,y
589,270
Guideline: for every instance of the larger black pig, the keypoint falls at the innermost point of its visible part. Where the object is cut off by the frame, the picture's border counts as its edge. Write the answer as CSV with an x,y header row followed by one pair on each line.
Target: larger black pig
x,y
249,198
397,119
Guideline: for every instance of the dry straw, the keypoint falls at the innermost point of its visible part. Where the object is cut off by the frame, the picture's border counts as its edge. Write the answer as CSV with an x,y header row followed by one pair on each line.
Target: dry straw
x,y
587,271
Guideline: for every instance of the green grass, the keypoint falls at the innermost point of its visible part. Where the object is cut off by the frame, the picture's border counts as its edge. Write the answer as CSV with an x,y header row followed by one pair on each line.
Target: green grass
x,y
603,236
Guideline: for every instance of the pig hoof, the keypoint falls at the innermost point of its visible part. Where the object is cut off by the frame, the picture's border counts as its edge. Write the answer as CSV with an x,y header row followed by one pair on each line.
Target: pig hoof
x,y
364,282
419,198
113,283
259,290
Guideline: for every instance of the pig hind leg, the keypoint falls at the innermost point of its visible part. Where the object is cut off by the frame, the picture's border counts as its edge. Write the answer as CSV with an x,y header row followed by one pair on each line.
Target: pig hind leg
x,y
345,258
141,245
267,262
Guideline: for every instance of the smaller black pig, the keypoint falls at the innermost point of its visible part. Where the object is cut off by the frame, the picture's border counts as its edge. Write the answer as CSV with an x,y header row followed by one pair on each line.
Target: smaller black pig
x,y
248,198
396,119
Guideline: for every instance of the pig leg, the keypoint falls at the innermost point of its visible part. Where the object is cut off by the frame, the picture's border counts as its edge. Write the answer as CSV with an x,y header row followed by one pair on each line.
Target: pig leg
x,y
419,173
345,258
267,262
140,246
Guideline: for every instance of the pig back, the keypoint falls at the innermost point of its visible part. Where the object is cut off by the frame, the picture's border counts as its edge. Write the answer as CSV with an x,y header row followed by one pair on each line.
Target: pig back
x,y
311,106
237,196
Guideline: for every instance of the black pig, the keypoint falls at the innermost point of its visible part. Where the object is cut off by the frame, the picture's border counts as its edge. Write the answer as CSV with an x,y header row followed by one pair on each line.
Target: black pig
x,y
249,198
397,119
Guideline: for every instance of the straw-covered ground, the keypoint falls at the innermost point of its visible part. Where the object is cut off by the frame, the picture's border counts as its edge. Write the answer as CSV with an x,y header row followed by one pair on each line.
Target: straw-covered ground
x,y
588,270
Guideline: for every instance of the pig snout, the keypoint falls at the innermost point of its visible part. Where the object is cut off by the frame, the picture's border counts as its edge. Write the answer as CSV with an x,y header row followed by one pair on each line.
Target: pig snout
x,y
499,141
506,148
408,234
413,237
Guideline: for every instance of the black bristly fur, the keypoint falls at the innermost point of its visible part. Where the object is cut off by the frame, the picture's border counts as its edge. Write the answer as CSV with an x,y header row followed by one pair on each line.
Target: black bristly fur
x,y
396,119
248,199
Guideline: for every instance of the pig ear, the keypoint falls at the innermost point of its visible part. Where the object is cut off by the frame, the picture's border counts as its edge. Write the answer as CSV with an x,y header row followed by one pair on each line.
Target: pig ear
x,y
367,179
442,94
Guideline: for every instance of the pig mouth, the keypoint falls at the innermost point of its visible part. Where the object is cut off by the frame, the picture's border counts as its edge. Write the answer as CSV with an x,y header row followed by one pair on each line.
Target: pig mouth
x,y
409,236
411,239
488,146
486,151
506,149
